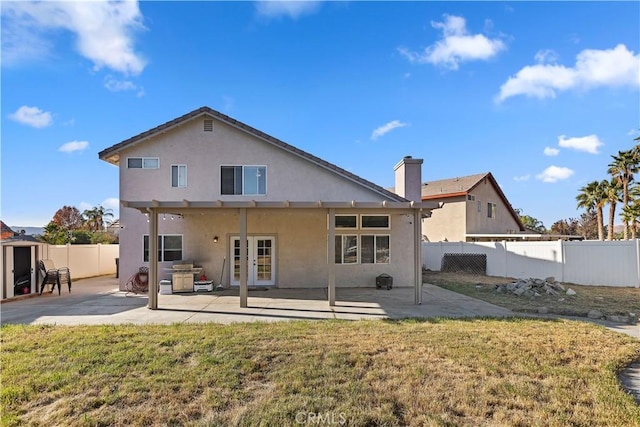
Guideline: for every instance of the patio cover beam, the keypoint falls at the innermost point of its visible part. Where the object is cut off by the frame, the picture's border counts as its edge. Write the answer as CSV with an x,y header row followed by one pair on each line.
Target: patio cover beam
x,y
143,205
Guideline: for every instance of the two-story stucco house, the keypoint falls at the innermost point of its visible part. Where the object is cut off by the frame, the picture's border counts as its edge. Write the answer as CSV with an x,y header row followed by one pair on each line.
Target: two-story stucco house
x,y
255,211
473,208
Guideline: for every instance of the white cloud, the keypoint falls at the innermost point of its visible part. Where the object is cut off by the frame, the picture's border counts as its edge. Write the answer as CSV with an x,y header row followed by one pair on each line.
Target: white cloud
x,y
549,151
70,147
111,203
384,129
84,206
633,132
588,144
593,68
293,9
115,85
456,45
104,31
554,174
546,56
522,178
32,116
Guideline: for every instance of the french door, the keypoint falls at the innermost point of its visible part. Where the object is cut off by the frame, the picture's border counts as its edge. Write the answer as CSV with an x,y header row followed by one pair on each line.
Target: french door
x,y
260,259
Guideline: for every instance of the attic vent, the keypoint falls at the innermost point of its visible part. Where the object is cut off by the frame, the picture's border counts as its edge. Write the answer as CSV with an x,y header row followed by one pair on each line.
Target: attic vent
x,y
208,125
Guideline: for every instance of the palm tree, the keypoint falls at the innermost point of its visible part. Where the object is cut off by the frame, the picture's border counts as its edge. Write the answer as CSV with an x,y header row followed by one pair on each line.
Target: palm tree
x,y
96,217
631,214
613,193
593,196
624,165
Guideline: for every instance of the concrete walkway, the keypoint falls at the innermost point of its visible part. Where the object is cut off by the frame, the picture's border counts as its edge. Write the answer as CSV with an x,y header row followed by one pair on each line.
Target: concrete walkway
x,y
98,301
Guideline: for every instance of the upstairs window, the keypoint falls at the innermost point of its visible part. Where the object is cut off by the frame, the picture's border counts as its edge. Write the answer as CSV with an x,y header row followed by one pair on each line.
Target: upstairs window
x,y
179,176
491,210
143,163
243,180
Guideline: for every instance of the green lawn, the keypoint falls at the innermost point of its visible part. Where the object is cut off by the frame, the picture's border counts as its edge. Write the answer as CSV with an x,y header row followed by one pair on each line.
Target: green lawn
x,y
509,372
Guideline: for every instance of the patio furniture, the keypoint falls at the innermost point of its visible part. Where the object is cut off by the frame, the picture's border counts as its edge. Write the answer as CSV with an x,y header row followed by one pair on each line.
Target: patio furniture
x,y
53,276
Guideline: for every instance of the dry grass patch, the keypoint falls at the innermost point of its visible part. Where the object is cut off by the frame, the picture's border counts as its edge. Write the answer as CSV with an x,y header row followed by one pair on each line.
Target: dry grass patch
x,y
608,300
397,373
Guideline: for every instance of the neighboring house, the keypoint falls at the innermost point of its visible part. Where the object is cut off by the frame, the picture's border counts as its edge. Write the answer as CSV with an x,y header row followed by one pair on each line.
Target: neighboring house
x,y
474,208
208,189
6,232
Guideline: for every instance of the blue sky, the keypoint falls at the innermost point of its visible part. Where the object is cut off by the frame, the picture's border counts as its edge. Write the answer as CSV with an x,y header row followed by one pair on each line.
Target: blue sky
x,y
538,93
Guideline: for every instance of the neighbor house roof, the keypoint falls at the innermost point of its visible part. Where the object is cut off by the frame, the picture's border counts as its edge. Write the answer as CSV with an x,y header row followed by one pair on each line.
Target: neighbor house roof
x,y
461,186
112,154
5,231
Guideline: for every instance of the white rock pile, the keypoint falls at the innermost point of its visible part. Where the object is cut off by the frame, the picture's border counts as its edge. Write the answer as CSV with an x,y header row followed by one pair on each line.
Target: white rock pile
x,y
535,288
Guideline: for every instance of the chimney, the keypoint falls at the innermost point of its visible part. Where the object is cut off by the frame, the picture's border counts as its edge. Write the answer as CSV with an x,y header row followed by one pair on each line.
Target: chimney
x,y
409,178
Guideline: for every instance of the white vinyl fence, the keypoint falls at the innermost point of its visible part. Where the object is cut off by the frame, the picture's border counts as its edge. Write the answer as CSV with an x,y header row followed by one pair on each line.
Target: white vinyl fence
x,y
615,263
84,260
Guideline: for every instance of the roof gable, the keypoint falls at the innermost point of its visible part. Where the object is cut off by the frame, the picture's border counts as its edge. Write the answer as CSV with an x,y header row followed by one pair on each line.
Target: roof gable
x,y
112,154
461,186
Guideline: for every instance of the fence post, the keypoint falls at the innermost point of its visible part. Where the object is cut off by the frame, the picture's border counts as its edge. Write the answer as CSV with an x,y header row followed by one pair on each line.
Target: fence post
x,y
562,258
638,261
506,256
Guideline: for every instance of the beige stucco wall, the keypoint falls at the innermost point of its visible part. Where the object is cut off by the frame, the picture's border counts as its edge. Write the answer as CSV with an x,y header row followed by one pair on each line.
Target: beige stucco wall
x,y
301,246
479,222
301,235
446,222
288,176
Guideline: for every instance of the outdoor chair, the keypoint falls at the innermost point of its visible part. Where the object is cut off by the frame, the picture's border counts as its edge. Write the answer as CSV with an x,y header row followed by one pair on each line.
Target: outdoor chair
x,y
53,276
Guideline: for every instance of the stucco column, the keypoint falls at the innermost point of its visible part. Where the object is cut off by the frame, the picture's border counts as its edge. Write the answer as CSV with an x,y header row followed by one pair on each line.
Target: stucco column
x,y
244,291
417,244
153,259
331,261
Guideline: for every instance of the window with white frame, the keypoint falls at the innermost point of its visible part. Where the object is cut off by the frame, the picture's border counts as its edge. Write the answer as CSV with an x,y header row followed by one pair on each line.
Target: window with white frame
x,y
143,163
374,249
179,176
349,222
491,210
346,249
375,221
169,247
471,197
243,180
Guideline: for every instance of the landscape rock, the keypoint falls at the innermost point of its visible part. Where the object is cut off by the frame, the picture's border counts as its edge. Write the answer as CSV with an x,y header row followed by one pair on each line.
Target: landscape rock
x,y
618,319
543,310
571,292
595,314
534,287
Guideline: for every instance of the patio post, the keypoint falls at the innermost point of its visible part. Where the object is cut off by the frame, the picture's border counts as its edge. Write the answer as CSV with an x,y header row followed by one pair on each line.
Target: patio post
x,y
332,257
243,259
153,260
417,244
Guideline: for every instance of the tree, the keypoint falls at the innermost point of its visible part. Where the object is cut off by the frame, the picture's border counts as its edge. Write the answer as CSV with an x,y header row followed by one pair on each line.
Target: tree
x,y
622,168
570,227
56,235
593,197
588,225
613,193
95,217
531,223
68,218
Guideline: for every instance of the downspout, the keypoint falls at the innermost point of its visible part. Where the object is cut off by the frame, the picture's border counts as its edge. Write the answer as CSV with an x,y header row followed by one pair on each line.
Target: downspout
x,y
417,238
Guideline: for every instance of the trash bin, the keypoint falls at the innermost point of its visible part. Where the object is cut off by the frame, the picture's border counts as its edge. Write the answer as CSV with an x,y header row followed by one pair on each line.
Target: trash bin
x,y
117,267
384,281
